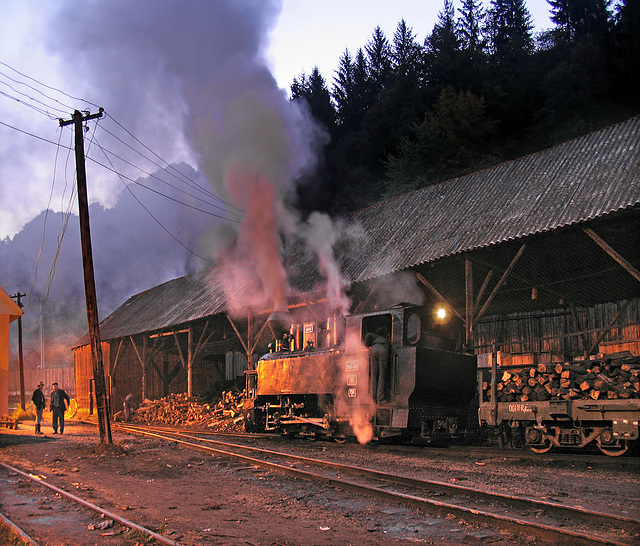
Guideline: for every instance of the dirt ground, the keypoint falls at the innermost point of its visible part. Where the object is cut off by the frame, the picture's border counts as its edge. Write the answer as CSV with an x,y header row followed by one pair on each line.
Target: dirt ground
x,y
197,499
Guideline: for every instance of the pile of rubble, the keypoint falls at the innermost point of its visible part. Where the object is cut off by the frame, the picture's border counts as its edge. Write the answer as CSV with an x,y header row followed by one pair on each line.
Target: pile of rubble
x,y
180,410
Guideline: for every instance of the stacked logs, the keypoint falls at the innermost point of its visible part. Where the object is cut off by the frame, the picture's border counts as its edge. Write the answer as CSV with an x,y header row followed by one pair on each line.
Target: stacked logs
x,y
180,410
613,376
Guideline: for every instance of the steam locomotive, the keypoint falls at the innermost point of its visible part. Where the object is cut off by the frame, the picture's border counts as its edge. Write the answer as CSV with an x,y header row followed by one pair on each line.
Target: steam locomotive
x,y
317,381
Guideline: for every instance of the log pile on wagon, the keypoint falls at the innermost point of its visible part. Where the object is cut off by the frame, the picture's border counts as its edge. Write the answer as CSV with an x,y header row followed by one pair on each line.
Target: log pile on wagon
x,y
613,376
225,415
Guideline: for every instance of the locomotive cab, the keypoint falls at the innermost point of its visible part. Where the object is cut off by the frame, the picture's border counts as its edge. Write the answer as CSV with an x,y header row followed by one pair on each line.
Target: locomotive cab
x,y
428,387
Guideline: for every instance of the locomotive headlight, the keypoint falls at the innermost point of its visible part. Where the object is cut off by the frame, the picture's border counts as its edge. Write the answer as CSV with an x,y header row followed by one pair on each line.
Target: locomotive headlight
x,y
441,314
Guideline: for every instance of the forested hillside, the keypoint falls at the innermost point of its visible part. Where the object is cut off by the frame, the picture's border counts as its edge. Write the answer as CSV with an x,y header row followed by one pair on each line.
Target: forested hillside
x,y
480,90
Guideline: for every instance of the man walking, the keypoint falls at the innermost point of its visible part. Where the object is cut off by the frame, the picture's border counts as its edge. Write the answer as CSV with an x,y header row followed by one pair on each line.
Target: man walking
x,y
59,403
39,402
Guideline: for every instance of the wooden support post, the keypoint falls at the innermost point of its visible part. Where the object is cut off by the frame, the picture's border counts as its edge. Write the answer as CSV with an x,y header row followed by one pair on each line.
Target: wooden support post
x,y
502,280
438,295
580,325
190,357
483,288
602,244
469,320
604,331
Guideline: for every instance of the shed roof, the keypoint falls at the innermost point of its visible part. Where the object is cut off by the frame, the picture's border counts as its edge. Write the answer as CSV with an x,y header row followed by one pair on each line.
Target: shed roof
x,y
574,182
577,181
9,307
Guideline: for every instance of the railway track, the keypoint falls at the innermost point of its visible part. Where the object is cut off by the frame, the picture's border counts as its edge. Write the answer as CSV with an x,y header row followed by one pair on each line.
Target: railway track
x,y
26,489
548,521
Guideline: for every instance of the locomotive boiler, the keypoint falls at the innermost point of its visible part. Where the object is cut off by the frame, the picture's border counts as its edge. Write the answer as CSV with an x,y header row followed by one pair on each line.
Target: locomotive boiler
x,y
318,381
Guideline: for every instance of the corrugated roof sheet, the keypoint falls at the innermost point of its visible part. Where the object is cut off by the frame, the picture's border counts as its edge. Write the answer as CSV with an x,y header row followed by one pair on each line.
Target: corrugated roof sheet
x,y
570,183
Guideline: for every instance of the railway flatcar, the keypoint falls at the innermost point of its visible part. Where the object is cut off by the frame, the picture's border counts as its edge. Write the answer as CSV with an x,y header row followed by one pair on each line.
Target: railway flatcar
x,y
380,375
599,409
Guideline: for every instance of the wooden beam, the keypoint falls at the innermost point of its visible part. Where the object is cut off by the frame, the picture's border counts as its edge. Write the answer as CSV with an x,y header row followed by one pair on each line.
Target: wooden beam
x,y
468,299
438,295
190,358
602,244
180,354
502,280
258,336
142,365
364,302
483,288
580,325
115,362
235,329
604,331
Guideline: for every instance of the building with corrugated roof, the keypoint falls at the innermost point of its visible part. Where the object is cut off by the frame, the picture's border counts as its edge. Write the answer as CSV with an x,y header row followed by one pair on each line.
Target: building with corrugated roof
x,y
9,311
537,257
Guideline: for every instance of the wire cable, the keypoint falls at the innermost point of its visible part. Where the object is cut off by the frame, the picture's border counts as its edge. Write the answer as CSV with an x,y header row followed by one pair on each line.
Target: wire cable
x,y
122,175
49,86
151,175
167,164
151,214
66,106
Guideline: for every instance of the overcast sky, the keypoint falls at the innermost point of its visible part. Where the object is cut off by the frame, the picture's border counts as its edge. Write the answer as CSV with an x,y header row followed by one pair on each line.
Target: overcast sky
x,y
89,54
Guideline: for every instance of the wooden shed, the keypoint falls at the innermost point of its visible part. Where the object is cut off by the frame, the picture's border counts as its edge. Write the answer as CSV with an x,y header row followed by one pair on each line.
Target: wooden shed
x,y
537,258
9,311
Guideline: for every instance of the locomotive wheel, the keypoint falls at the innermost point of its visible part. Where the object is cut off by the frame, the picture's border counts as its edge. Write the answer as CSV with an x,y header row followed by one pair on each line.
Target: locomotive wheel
x,y
544,447
615,450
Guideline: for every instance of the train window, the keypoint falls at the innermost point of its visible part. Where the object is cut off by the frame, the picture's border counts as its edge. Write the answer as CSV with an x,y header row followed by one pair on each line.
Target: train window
x,y
413,328
377,324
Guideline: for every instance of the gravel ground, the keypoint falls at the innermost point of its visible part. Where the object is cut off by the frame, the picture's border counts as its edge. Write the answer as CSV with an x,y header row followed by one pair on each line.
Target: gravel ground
x,y
199,499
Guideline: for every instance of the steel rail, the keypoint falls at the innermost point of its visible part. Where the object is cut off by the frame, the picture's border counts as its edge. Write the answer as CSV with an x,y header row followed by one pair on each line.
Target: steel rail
x,y
161,539
17,531
510,523
439,487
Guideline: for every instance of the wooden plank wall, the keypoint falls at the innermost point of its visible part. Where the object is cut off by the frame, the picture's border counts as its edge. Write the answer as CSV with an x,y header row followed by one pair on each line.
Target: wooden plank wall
x,y
554,333
63,376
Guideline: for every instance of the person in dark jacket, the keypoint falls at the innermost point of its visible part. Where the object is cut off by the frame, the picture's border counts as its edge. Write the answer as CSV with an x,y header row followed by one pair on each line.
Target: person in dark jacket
x,y
39,402
379,362
59,403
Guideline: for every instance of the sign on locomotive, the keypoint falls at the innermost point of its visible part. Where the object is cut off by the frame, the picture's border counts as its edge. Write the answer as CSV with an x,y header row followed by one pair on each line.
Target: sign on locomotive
x,y
395,374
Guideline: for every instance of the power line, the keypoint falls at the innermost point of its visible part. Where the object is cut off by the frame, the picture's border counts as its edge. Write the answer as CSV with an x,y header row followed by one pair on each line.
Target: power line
x,y
151,175
122,175
35,89
154,218
169,169
167,164
49,86
30,98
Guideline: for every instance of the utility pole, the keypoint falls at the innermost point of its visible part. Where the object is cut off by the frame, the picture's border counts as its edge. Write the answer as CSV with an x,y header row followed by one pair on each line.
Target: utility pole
x,y
20,361
89,278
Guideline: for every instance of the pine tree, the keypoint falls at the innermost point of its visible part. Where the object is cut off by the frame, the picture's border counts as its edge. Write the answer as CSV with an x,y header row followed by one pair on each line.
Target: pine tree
x,y
577,18
378,59
405,52
442,49
509,26
313,90
470,27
